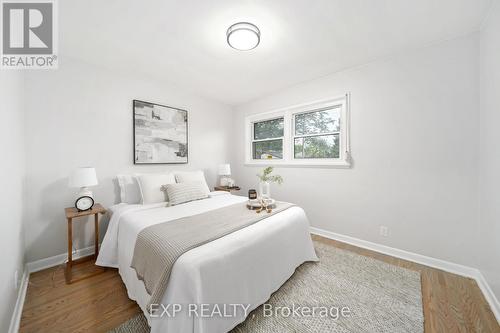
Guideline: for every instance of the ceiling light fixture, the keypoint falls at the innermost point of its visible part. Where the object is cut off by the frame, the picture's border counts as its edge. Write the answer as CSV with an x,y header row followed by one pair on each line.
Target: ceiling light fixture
x,y
243,36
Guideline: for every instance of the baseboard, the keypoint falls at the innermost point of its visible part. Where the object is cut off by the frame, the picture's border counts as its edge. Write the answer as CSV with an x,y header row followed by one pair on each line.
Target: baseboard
x,y
489,295
420,259
18,309
410,256
60,259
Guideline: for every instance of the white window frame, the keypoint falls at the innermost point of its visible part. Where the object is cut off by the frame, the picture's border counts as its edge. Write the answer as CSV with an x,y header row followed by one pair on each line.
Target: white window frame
x,y
288,114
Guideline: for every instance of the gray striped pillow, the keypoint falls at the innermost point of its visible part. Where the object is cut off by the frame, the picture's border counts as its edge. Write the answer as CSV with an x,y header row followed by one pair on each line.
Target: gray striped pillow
x,y
185,192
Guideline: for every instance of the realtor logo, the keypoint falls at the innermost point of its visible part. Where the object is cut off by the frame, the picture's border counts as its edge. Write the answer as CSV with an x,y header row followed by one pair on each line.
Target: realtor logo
x,y
29,34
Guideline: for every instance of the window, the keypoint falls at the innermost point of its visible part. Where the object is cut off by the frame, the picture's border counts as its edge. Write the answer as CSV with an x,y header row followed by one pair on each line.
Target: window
x,y
311,134
316,134
268,139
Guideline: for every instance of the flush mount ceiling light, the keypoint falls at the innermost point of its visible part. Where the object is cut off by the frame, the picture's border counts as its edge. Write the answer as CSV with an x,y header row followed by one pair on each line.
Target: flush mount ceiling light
x,y
243,36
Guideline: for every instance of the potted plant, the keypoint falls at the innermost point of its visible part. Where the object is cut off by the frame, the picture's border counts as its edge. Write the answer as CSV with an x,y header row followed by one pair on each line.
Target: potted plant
x,y
265,182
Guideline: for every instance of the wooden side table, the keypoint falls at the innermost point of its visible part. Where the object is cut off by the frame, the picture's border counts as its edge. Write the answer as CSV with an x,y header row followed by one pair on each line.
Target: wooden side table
x,y
72,213
227,188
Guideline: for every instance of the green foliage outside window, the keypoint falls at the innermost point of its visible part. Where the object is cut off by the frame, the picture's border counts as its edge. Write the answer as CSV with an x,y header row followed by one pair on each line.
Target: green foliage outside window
x,y
312,125
268,129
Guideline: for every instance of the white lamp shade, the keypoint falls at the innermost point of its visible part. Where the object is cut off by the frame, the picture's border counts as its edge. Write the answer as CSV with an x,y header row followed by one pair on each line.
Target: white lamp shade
x,y
224,170
83,177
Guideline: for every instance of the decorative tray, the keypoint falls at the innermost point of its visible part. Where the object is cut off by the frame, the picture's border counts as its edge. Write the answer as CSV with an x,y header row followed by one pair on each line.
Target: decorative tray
x,y
256,203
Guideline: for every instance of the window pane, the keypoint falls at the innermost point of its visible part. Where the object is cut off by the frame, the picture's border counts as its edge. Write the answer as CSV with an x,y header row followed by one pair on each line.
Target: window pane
x,y
267,150
323,146
268,129
318,122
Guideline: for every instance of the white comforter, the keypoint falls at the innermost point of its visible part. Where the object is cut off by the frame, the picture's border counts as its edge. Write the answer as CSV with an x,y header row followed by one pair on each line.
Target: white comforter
x,y
245,267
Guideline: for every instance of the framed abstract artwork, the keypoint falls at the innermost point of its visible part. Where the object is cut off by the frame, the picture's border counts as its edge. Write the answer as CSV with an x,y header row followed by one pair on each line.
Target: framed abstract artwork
x,y
160,134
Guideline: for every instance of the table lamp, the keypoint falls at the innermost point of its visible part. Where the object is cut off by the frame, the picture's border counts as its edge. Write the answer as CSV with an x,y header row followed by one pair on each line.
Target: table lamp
x,y
225,172
83,178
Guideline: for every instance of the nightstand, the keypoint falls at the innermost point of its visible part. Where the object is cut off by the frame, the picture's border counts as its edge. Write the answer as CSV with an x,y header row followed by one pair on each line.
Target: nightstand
x,y
227,188
73,213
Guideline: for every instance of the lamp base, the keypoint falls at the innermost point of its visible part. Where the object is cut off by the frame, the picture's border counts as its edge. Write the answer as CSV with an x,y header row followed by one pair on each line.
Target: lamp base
x,y
224,181
85,192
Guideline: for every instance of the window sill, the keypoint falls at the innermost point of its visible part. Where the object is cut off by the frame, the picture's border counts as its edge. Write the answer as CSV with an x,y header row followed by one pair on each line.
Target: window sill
x,y
301,164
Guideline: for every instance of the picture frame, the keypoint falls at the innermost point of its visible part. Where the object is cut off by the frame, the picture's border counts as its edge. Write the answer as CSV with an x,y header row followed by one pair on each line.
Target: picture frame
x,y
160,133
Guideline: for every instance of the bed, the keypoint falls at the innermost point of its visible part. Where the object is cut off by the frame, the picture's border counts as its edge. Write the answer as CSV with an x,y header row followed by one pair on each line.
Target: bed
x,y
244,267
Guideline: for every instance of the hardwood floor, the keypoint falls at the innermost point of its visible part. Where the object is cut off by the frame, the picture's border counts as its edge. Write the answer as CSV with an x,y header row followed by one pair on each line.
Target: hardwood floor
x,y
451,303
96,304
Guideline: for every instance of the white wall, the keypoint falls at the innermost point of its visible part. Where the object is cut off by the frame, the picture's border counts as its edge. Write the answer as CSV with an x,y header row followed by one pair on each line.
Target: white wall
x,y
414,136
81,115
11,196
490,151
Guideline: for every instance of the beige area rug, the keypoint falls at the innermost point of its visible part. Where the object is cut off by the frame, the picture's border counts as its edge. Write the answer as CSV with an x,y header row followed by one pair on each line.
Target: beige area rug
x,y
381,298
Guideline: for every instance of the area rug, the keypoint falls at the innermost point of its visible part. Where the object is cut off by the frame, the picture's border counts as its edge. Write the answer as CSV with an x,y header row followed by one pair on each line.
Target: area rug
x,y
375,297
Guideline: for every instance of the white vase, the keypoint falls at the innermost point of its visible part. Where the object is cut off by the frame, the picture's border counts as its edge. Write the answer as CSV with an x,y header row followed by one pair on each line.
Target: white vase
x,y
265,190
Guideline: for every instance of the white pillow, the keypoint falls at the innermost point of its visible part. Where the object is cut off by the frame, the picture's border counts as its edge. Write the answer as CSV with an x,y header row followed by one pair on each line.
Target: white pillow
x,y
185,192
129,189
150,185
192,176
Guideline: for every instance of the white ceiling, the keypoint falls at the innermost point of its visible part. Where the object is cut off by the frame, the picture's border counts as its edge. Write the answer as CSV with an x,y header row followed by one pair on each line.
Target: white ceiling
x,y
184,42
